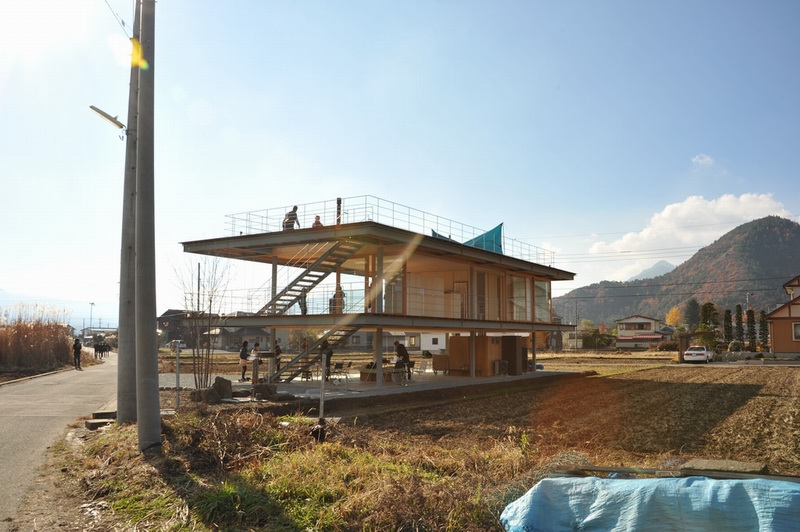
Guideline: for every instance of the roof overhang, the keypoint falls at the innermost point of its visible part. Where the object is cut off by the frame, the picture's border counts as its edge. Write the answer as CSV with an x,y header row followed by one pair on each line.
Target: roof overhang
x,y
283,247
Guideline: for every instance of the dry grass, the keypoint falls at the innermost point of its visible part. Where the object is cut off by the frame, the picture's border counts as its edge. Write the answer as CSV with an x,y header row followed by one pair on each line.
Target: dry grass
x,y
436,462
34,340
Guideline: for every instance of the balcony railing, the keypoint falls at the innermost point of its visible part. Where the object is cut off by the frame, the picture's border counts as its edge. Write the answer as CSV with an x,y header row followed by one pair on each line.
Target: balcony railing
x,y
370,208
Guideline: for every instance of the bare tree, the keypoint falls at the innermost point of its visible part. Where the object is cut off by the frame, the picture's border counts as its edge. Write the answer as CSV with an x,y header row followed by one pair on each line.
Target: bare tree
x,y
204,290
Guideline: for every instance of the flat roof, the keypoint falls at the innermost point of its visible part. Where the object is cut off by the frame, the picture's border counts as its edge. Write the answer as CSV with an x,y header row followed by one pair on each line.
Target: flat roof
x,y
422,252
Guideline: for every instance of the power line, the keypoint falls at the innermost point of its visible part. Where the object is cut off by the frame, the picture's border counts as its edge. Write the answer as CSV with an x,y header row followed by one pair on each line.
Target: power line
x,y
612,253
589,260
657,230
656,290
621,296
690,283
119,20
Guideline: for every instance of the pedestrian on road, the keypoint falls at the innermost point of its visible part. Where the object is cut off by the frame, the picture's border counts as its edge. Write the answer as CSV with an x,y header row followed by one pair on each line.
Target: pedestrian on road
x,y
76,353
243,354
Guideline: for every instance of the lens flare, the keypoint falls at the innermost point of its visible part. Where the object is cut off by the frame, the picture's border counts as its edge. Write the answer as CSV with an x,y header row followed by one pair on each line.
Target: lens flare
x,y
136,55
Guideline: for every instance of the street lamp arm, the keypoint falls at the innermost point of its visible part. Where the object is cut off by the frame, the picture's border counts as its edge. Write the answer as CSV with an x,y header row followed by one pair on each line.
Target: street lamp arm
x,y
112,119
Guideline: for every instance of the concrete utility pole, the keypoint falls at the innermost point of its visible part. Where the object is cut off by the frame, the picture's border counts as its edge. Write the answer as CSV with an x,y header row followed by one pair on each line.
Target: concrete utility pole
x,y
126,360
147,398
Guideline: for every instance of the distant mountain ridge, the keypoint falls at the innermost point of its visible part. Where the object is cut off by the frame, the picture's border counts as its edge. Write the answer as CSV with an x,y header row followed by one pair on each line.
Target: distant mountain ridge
x,y
750,262
659,268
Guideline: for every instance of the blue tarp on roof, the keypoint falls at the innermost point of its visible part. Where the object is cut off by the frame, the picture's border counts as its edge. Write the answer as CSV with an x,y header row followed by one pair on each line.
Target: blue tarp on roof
x,y
691,503
491,240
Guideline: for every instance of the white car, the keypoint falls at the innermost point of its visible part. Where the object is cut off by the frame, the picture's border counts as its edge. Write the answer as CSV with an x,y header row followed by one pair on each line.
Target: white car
x,y
698,353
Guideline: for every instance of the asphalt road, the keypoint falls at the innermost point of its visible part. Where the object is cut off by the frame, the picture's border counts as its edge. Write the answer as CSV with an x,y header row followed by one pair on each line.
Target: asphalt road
x,y
34,413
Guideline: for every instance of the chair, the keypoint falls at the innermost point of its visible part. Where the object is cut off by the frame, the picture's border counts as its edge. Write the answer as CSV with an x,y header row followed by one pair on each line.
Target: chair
x,y
398,375
338,372
422,367
410,369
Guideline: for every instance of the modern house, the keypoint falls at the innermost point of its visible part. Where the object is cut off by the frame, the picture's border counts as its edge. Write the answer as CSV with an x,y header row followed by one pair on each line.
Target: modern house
x,y
377,269
639,332
784,323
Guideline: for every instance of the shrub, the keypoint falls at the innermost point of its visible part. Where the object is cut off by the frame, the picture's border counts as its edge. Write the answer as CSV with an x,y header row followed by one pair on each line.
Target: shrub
x,y
34,338
667,345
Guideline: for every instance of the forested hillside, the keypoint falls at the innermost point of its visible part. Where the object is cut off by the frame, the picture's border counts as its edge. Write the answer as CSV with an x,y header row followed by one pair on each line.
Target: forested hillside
x,y
752,261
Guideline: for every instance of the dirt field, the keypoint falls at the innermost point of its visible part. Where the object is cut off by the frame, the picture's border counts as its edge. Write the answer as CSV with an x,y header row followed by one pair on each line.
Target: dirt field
x,y
644,418
641,418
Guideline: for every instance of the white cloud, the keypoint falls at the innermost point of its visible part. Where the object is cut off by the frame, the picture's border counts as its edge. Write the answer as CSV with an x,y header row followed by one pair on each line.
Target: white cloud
x,y
702,160
676,233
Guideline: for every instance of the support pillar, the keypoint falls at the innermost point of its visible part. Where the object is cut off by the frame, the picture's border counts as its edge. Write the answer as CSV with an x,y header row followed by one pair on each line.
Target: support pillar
x,y
377,348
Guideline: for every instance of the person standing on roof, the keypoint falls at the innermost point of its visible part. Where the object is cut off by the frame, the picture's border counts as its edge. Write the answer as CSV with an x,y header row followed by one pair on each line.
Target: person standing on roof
x,y
291,219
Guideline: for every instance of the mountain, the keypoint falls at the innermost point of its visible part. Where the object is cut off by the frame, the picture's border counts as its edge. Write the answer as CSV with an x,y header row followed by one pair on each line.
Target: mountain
x,y
659,268
748,264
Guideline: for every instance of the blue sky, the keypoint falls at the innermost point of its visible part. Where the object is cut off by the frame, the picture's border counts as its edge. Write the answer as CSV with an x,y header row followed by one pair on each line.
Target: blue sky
x,y
614,133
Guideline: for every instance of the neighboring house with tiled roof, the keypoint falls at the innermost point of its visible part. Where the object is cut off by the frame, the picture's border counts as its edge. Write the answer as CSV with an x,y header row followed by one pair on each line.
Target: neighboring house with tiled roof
x,y
639,332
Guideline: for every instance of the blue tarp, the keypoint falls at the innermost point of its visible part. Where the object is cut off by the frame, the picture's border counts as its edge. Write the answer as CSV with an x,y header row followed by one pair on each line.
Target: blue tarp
x,y
491,240
691,503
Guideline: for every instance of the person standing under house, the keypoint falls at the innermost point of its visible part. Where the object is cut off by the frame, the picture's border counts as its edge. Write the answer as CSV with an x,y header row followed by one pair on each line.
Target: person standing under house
x,y
402,357
243,354
291,219
278,353
76,353
255,357
326,353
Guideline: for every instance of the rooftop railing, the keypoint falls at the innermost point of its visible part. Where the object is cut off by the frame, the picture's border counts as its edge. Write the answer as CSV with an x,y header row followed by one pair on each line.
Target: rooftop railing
x,y
372,209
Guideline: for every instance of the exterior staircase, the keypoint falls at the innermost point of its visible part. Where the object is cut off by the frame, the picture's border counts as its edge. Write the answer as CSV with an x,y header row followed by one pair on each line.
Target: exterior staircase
x,y
296,291
304,361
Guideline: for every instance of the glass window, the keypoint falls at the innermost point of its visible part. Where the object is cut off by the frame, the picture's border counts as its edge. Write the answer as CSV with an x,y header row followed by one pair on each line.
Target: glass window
x,y
489,289
518,297
542,301
796,331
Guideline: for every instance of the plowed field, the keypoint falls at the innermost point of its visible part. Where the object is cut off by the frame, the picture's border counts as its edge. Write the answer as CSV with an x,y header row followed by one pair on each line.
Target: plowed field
x,y
636,419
